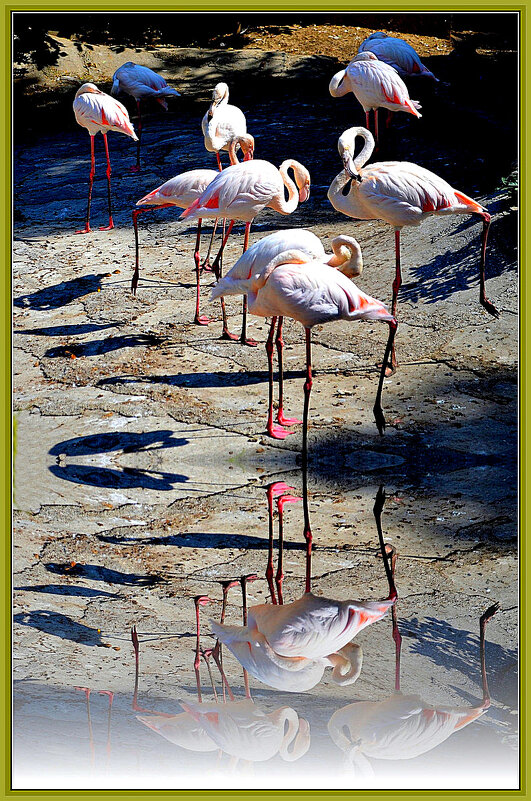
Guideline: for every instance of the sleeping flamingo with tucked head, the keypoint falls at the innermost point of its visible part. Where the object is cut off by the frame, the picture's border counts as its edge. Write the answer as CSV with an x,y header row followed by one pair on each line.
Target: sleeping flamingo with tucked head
x,y
242,191
100,113
141,83
402,194
375,85
397,53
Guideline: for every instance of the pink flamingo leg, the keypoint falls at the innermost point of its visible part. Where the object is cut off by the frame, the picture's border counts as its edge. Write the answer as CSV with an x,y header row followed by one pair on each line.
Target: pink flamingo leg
x,y
111,224
244,339
307,529
205,267
284,421
269,568
376,125
485,302
220,167
279,578
89,720
199,319
86,229
389,119
377,408
243,584
110,696
136,167
277,432
367,120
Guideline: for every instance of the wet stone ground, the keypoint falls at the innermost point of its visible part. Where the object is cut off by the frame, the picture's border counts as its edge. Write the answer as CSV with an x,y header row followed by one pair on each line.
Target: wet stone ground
x,y
142,459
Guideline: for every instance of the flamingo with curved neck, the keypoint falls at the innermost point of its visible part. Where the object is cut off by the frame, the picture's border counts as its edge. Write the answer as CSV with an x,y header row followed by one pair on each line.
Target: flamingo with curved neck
x,y
402,194
242,191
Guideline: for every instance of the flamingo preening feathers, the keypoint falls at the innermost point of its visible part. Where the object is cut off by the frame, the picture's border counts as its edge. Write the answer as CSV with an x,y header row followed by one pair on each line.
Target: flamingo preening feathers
x,y
396,52
100,113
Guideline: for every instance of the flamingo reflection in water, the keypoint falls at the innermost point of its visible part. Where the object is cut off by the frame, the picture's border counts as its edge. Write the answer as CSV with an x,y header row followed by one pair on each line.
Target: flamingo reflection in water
x,y
288,646
402,726
237,727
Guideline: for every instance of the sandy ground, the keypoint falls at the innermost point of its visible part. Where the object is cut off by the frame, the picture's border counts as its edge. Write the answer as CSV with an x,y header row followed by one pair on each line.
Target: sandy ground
x,y
142,458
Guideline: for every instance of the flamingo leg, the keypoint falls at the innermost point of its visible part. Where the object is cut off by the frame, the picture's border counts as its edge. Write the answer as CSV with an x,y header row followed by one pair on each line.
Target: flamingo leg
x,y
244,339
485,302
269,568
92,172
277,432
136,167
367,120
377,409
206,657
108,173
220,167
136,213
243,584
388,554
110,696
199,319
279,341
225,333
215,265
206,263
87,691
307,390
134,703
199,600
485,617
389,118
397,283
376,125
279,578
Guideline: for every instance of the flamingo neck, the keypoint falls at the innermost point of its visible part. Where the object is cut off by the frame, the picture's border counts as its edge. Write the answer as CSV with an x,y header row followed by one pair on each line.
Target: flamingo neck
x,y
347,147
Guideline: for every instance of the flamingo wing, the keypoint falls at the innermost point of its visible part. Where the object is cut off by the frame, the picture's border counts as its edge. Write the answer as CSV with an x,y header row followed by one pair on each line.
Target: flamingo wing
x,y
101,112
181,190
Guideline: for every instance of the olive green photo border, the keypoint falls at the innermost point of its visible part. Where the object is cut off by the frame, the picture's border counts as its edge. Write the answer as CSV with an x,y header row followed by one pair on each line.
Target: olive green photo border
x,y
8,435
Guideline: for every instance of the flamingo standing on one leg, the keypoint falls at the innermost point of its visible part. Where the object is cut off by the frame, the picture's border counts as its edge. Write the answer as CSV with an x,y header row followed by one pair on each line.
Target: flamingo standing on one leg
x,y
100,113
403,726
375,85
346,257
241,191
397,53
222,122
401,193
180,192
141,82
312,292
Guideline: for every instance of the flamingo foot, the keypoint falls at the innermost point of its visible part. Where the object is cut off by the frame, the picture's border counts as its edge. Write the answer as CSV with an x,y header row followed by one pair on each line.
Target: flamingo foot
x,y
252,343
201,319
226,334
277,432
206,267
490,307
107,227
389,371
287,421
86,230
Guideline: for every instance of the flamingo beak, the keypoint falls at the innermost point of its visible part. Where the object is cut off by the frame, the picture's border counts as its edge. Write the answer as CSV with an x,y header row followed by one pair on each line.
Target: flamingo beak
x,y
304,193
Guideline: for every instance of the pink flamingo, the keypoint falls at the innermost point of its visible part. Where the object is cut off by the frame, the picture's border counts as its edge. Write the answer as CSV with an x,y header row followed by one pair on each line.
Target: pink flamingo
x,y
98,112
180,192
289,645
402,194
403,726
141,82
346,257
313,292
397,53
222,122
375,85
241,191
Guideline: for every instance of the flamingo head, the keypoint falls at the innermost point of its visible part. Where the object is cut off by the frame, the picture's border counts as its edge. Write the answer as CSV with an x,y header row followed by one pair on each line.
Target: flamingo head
x,y
246,142
365,56
219,93
88,88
